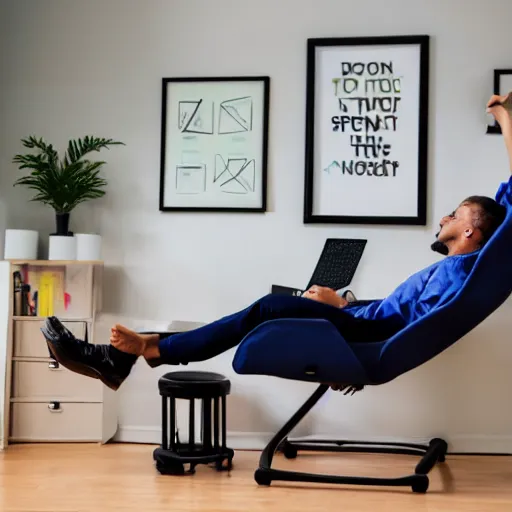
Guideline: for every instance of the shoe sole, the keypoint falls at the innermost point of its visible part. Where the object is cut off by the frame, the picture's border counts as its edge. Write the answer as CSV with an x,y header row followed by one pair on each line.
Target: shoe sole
x,y
80,368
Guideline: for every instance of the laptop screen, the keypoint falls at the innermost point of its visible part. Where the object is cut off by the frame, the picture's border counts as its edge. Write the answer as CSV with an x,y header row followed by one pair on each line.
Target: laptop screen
x,y
338,263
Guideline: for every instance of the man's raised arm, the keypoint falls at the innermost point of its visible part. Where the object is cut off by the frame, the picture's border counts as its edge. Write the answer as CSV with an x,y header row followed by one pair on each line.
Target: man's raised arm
x,y
501,108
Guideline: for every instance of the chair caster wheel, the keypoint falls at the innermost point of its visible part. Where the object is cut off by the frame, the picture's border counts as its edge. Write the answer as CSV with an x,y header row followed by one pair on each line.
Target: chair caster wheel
x,y
290,451
262,477
420,485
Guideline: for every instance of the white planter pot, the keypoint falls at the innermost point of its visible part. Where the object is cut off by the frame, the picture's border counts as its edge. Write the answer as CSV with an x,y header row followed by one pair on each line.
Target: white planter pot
x,y
62,248
20,244
88,247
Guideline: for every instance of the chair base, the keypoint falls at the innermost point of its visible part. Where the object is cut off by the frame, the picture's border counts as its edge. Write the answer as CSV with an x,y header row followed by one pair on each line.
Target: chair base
x,y
431,453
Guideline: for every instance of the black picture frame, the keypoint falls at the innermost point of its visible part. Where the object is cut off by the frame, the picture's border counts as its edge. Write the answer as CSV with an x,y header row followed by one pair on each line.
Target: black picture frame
x,y
495,128
251,121
419,215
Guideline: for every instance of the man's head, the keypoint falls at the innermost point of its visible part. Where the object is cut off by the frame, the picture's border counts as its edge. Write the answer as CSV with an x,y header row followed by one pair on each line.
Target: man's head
x,y
470,226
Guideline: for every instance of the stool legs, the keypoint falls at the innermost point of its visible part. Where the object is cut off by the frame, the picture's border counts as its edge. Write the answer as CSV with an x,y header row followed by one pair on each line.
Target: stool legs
x,y
164,423
216,423
207,423
191,425
172,454
172,432
168,427
223,422
169,423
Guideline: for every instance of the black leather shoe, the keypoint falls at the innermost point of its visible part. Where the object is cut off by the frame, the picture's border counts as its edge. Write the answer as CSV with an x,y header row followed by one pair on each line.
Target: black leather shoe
x,y
103,362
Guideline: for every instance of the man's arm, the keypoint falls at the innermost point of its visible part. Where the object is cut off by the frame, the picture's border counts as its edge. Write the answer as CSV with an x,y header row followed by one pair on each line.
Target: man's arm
x,y
501,108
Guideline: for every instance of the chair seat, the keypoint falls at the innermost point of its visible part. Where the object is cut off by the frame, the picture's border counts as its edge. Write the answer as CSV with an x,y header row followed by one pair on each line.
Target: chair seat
x,y
194,384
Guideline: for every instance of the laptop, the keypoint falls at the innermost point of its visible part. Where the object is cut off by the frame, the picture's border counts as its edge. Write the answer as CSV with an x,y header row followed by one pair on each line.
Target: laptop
x,y
335,268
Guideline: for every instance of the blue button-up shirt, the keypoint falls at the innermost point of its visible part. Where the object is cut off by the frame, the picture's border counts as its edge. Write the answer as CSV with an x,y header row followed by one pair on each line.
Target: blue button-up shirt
x,y
429,288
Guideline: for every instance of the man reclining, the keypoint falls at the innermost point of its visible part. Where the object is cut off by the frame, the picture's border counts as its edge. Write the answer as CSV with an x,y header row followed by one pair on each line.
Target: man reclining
x,y
462,235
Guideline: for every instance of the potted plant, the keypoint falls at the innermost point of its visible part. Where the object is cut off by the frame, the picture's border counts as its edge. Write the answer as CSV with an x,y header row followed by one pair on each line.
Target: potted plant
x,y
63,183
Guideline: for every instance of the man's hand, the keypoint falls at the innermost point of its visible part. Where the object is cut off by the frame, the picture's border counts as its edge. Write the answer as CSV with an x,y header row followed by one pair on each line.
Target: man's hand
x,y
325,295
346,388
499,107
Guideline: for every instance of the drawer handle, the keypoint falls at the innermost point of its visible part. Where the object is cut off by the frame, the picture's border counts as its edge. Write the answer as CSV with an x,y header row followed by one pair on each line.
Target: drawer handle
x,y
54,407
54,365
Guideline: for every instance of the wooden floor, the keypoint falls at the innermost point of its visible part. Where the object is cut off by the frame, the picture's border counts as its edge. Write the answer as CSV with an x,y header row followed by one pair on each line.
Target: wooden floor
x,y
122,477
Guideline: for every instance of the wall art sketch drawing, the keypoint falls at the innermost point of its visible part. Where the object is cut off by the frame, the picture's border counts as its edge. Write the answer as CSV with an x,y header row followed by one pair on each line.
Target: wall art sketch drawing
x,y
366,134
214,144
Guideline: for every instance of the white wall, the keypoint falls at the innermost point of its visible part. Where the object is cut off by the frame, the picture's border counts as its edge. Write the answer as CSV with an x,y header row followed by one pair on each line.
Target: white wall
x,y
95,67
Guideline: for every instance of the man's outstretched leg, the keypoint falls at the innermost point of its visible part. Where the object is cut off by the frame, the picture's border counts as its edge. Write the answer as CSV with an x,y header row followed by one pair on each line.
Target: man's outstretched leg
x,y
217,337
112,363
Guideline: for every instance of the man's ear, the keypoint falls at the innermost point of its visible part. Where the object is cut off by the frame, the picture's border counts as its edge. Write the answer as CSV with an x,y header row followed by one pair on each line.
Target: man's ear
x,y
468,233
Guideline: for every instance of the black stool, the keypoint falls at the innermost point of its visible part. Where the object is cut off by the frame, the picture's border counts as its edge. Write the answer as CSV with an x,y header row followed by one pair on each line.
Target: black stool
x,y
172,454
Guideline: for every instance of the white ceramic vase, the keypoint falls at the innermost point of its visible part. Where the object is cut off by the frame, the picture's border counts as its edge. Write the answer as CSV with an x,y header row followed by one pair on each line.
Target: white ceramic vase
x,y
20,244
62,248
88,247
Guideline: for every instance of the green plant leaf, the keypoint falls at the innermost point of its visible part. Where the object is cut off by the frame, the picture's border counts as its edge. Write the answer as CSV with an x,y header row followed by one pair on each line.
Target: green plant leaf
x,y
81,147
63,184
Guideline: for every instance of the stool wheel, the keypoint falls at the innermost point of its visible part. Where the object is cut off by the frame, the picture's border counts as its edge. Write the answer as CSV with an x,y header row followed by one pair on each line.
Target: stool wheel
x,y
224,464
170,468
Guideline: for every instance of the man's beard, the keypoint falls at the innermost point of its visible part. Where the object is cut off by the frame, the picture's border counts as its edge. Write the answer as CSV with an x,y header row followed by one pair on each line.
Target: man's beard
x,y
440,247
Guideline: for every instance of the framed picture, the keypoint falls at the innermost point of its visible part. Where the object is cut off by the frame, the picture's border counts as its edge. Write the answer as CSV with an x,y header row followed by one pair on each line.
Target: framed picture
x,y
367,130
214,144
502,86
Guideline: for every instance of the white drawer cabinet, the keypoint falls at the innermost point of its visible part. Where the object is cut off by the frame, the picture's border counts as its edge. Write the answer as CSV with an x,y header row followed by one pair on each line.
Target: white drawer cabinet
x,y
56,421
42,400
47,380
29,341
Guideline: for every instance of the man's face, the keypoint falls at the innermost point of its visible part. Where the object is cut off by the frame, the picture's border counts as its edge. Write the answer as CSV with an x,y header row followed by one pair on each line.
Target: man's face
x,y
454,226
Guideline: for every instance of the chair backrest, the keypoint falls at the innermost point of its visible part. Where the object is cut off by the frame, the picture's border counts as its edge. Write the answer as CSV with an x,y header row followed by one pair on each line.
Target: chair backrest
x,y
487,287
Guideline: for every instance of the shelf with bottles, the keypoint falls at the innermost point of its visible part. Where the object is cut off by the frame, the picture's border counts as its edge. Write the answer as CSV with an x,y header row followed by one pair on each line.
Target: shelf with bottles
x,y
43,288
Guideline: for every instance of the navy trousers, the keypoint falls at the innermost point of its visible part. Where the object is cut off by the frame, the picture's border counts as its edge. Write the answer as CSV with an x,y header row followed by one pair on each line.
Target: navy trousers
x,y
210,340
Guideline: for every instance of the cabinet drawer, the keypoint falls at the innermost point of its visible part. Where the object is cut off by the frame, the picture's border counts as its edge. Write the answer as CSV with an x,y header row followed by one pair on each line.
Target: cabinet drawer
x,y
37,380
30,342
69,422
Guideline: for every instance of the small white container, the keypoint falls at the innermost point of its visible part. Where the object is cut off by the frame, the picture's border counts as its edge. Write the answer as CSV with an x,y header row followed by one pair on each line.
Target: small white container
x,y
62,248
88,247
20,244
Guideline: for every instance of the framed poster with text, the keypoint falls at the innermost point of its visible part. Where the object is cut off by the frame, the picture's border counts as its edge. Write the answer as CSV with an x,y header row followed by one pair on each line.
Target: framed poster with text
x,y
366,130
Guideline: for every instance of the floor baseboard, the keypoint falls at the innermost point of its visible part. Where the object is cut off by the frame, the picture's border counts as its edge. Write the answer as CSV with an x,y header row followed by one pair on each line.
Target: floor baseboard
x,y
153,435
258,440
